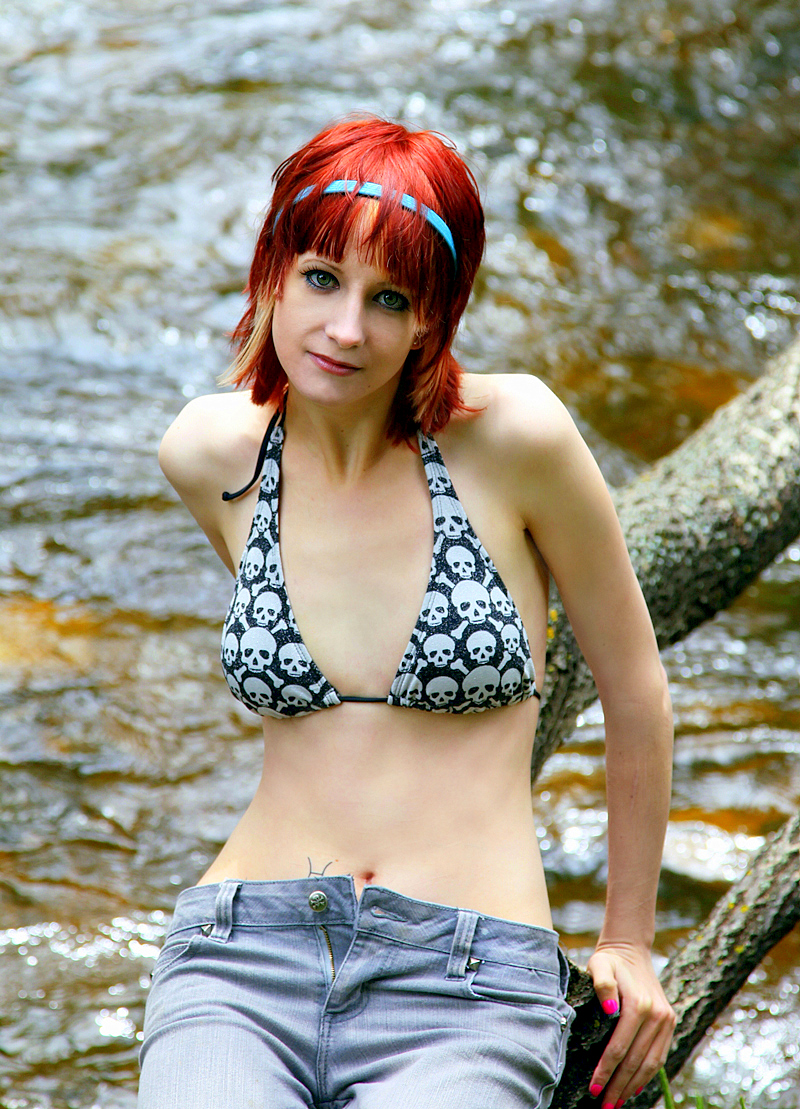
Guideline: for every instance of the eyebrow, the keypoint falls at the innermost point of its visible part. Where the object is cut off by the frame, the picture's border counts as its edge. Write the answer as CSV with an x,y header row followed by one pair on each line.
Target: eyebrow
x,y
313,256
385,279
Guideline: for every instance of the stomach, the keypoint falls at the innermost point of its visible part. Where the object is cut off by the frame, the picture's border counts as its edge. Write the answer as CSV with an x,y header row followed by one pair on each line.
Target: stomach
x,y
432,805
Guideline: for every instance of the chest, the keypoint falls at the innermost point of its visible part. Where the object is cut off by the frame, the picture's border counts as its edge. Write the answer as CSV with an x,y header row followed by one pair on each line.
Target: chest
x,y
356,564
377,587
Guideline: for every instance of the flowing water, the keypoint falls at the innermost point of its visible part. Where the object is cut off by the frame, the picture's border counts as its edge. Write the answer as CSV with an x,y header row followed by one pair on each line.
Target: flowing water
x,y
640,167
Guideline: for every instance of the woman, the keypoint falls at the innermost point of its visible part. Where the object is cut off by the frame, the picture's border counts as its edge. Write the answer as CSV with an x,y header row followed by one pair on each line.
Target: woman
x,y
376,931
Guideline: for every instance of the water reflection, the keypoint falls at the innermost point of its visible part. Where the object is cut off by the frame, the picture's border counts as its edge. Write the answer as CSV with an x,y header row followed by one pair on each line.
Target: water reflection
x,y
641,188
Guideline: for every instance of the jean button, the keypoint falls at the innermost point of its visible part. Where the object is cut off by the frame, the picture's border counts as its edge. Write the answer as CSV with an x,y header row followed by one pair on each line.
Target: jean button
x,y
318,901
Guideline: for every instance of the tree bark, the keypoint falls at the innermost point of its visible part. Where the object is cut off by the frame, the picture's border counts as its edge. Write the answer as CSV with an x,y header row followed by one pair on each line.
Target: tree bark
x,y
701,524
701,979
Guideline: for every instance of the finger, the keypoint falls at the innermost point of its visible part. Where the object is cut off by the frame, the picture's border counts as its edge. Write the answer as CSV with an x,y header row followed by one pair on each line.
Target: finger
x,y
621,1059
605,984
627,1047
646,1052
633,1071
654,1058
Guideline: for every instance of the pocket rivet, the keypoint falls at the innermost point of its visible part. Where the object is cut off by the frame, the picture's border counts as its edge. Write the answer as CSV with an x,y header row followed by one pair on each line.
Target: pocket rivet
x,y
473,964
206,929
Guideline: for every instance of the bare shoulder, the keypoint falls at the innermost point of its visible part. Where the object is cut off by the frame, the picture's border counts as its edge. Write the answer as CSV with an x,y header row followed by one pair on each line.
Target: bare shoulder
x,y
530,451
212,441
520,421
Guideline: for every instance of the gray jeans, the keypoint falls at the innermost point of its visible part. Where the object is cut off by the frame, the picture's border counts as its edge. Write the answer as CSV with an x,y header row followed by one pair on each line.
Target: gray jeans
x,y
281,995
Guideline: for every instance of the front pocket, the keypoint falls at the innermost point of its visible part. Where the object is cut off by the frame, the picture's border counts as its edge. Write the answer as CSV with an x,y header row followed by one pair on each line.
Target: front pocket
x,y
514,985
175,950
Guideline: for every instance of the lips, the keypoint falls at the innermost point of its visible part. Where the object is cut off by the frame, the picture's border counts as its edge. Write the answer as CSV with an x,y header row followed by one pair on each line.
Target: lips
x,y
333,365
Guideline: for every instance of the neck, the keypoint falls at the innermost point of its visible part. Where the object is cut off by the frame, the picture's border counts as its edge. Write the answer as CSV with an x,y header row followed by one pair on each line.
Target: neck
x,y
346,441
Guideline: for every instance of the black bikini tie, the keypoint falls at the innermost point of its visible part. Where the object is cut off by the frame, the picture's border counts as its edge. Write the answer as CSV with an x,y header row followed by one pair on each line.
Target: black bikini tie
x,y
262,454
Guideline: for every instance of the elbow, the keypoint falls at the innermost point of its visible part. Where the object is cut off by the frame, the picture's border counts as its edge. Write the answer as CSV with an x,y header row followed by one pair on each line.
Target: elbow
x,y
639,700
655,692
663,692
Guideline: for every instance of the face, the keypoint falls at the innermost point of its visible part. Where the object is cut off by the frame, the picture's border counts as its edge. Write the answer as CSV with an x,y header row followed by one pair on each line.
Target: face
x,y
342,330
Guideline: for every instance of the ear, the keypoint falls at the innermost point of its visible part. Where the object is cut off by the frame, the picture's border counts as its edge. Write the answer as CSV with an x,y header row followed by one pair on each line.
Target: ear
x,y
420,335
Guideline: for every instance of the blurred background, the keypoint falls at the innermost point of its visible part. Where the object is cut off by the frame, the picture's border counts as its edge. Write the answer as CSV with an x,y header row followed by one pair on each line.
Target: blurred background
x,y
640,164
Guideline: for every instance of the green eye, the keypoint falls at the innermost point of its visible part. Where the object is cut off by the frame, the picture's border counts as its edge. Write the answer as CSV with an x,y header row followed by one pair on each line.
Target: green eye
x,y
393,300
320,279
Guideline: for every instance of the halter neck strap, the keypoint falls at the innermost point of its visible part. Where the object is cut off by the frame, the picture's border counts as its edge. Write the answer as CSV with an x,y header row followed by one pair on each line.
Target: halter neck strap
x,y
262,454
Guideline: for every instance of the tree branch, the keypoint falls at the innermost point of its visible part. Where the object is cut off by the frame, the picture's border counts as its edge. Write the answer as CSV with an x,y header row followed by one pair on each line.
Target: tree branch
x,y
701,979
700,526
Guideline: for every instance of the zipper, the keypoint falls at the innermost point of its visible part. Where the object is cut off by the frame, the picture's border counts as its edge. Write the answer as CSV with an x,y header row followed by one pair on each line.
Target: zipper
x,y
330,952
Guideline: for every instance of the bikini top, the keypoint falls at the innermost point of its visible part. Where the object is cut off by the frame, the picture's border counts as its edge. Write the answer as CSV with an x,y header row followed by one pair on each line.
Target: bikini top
x,y
468,651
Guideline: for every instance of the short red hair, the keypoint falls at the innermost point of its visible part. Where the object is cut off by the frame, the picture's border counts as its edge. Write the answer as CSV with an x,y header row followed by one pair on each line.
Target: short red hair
x,y
403,243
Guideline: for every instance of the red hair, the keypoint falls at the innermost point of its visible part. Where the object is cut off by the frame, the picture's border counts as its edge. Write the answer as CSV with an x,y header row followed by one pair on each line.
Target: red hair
x,y
403,243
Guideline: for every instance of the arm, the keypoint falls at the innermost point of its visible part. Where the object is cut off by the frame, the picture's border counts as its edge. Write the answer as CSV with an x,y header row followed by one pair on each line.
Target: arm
x,y
568,511
211,446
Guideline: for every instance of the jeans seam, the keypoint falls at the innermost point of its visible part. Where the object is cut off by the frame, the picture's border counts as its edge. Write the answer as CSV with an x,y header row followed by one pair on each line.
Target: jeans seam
x,y
442,951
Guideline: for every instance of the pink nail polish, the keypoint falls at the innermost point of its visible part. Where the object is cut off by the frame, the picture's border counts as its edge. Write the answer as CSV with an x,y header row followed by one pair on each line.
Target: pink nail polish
x,y
595,1089
619,1104
639,1090
609,1105
610,1006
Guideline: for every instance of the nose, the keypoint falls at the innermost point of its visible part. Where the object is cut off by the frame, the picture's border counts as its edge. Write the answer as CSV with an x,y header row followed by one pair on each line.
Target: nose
x,y
346,323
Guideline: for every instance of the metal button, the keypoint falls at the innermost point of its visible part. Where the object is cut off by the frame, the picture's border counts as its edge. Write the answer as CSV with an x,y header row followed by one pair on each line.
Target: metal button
x,y
318,901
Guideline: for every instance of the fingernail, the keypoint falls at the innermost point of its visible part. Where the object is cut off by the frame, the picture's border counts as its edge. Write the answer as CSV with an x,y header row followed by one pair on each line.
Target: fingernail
x,y
610,1006
609,1105
639,1090
619,1104
595,1089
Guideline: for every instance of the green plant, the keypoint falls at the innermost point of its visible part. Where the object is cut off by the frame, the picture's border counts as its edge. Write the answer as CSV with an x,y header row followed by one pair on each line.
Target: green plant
x,y
669,1100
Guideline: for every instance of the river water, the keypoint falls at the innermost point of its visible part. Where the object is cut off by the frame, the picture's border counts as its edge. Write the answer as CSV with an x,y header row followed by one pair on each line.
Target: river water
x,y
640,169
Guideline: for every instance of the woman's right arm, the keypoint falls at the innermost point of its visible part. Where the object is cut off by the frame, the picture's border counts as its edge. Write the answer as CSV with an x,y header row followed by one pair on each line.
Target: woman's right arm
x,y
204,451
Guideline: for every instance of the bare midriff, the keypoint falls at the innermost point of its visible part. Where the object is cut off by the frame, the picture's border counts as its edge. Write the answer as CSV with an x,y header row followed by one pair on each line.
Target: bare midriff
x,y
431,805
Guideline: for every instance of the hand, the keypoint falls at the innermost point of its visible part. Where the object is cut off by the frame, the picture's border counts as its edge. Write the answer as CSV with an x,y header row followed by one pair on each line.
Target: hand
x,y
625,982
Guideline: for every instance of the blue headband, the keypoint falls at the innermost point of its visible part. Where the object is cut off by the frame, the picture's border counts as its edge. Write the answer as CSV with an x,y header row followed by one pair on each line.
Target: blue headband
x,y
369,188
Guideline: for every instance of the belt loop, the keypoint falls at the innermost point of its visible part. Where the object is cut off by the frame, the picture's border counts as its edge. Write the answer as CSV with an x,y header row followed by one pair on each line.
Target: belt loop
x,y
223,910
462,941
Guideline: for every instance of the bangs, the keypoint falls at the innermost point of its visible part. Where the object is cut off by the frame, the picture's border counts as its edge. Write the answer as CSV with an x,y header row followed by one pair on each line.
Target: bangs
x,y
432,253
395,240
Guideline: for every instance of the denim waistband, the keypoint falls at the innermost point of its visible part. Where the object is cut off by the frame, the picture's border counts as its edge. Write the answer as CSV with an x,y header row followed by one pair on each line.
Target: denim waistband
x,y
379,911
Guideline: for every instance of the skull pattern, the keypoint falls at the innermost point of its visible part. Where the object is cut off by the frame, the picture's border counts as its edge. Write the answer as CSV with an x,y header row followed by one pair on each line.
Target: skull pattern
x,y
481,684
434,609
258,649
461,561
439,649
471,601
442,691
481,646
262,517
267,608
449,518
294,659
262,657
511,637
468,651
253,563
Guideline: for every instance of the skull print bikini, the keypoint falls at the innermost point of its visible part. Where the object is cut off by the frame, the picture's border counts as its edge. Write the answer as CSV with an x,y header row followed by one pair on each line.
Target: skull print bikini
x,y
468,651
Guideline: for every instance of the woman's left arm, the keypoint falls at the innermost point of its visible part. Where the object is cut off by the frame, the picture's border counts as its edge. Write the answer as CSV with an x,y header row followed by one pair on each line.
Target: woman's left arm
x,y
568,512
